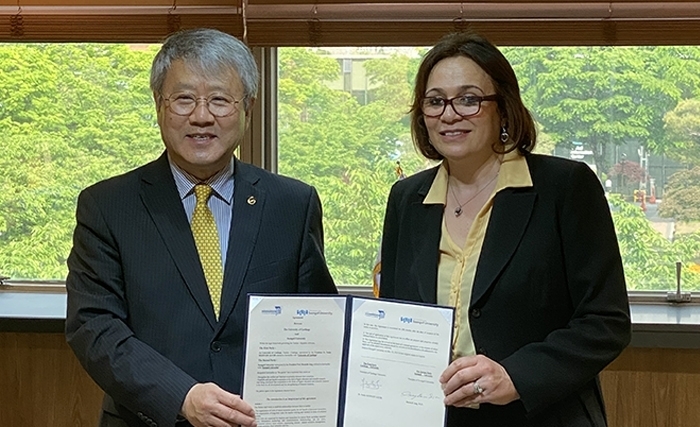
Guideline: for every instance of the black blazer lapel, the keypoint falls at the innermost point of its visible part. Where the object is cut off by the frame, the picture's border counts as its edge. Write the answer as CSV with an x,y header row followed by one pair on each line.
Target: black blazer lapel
x,y
159,195
509,219
425,223
248,204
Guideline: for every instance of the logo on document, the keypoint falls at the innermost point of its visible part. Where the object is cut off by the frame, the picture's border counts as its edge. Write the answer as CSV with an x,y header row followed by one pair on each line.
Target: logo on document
x,y
303,312
274,312
379,314
415,321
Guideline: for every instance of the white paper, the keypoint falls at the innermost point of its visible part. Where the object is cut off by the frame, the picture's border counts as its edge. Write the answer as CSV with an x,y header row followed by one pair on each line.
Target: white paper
x,y
395,354
293,360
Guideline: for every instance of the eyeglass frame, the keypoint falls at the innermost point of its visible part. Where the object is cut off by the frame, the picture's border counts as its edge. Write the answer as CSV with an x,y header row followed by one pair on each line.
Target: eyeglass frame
x,y
167,101
448,101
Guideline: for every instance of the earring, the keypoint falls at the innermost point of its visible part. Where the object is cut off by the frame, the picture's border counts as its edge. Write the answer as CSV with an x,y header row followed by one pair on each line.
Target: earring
x,y
504,135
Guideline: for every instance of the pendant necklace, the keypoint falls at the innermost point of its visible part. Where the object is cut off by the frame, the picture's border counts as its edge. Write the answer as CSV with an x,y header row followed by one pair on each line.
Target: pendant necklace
x,y
458,209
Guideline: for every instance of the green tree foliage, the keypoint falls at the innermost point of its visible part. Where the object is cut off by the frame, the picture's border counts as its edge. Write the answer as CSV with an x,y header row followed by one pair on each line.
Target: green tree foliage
x,y
74,114
649,259
71,115
682,126
682,196
393,80
602,96
545,143
345,149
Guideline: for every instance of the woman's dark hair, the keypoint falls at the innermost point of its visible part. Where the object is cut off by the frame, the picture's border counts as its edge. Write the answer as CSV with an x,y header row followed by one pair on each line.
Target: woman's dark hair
x,y
514,115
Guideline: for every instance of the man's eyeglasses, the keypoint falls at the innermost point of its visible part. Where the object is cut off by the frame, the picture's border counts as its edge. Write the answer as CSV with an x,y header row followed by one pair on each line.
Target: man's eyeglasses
x,y
184,104
464,105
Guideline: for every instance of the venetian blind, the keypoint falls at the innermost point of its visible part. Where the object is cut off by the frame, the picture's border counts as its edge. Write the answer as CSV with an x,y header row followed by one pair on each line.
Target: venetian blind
x,y
347,22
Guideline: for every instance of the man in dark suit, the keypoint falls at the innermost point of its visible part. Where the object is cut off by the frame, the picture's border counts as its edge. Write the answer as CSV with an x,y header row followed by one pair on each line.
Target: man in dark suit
x,y
164,255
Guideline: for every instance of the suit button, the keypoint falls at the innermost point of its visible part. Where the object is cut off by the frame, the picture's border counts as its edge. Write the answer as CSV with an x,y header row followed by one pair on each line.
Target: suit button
x,y
481,350
215,346
476,313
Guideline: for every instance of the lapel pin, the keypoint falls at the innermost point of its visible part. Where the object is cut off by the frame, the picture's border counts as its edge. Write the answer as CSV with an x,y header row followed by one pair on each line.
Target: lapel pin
x,y
251,200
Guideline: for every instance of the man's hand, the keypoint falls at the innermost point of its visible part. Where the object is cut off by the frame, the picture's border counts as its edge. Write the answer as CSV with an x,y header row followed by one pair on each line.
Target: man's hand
x,y
207,405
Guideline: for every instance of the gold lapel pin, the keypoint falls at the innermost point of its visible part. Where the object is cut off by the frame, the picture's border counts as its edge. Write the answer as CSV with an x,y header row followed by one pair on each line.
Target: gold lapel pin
x,y
251,200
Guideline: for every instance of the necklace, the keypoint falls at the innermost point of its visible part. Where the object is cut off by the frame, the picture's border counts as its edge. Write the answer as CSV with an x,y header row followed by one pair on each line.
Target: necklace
x,y
458,209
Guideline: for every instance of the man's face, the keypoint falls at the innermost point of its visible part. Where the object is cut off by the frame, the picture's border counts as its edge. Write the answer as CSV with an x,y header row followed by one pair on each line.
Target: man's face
x,y
201,143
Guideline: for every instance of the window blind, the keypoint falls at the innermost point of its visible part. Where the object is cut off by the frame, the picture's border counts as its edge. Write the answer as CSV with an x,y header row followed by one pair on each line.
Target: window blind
x,y
350,23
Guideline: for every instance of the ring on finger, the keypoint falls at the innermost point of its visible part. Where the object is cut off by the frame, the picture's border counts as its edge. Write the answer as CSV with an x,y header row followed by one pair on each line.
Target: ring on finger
x,y
477,388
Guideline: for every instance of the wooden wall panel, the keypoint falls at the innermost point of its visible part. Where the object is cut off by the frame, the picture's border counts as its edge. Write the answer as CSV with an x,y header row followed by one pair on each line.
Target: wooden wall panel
x,y
43,385
653,387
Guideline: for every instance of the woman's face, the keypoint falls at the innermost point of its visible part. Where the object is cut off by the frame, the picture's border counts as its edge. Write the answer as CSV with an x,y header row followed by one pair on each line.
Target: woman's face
x,y
459,138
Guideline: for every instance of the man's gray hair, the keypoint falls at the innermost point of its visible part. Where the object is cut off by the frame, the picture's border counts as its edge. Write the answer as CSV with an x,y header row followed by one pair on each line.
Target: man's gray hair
x,y
209,51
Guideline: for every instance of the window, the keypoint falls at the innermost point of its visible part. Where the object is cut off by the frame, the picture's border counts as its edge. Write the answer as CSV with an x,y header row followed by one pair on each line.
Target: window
x,y
71,115
630,113
347,148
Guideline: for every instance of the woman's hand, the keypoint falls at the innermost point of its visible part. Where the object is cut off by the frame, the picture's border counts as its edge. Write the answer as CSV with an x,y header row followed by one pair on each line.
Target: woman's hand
x,y
471,380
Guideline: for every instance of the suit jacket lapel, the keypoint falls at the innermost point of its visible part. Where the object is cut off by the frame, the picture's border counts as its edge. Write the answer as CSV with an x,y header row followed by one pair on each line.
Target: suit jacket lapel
x,y
159,195
503,235
248,204
425,220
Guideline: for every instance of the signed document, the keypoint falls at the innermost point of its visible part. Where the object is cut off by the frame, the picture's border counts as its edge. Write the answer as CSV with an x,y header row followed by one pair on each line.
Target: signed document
x,y
396,353
345,361
293,361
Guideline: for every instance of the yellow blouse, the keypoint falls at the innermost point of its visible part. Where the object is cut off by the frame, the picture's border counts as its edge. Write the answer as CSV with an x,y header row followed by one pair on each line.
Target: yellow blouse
x,y
457,266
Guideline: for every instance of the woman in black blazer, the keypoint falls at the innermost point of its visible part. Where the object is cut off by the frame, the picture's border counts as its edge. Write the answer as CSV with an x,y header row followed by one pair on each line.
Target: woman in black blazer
x,y
522,245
